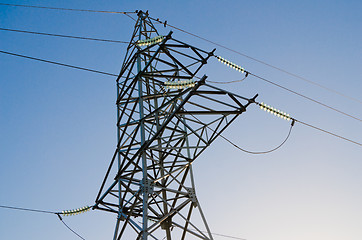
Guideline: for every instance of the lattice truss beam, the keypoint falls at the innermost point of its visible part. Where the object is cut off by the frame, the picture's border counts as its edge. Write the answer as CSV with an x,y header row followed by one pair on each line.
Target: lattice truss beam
x,y
161,132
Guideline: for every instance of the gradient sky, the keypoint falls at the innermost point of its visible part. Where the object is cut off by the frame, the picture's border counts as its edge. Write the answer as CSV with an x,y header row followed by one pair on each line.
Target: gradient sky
x,y
58,134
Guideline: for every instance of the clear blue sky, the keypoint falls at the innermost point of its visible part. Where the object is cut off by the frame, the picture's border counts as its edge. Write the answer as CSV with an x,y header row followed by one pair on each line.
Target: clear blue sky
x,y
58,134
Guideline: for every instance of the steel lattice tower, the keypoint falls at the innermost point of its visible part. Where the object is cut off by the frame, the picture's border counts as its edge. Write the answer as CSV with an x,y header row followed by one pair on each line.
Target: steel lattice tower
x,y
149,183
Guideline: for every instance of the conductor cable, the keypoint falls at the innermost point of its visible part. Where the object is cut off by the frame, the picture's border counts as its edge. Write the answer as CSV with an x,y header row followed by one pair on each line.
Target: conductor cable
x,y
261,152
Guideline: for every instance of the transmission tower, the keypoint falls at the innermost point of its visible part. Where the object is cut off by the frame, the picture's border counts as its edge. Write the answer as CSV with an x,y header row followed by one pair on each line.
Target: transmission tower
x,y
165,120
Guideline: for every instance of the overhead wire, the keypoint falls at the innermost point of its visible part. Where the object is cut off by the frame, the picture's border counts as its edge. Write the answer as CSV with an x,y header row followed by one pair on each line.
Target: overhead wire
x,y
197,36
60,64
222,235
61,219
239,68
328,132
304,96
294,120
43,211
228,82
225,236
287,117
259,61
110,74
64,9
261,78
28,209
115,75
260,152
247,151
61,35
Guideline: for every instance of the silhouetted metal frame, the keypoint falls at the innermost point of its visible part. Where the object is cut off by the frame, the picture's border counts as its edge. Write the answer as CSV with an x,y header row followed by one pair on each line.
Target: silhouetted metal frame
x,y
169,146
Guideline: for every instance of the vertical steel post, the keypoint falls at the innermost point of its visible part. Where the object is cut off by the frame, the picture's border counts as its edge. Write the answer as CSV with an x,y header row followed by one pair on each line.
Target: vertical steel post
x,y
144,182
119,166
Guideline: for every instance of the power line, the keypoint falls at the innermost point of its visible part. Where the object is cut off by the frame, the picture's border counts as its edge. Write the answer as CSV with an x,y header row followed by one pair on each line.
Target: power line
x,y
242,70
202,38
110,74
223,235
228,82
330,133
293,120
28,209
260,61
247,73
304,96
61,219
60,35
60,64
261,152
42,211
287,117
278,85
226,236
64,9
247,151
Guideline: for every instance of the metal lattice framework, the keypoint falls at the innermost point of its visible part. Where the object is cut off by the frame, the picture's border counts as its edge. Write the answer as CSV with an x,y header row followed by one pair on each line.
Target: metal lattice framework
x,y
161,131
